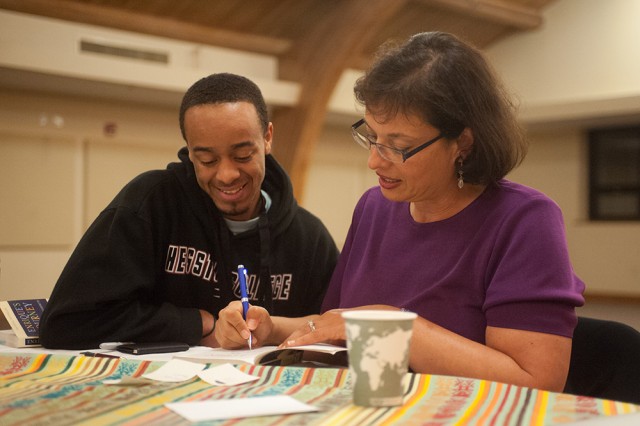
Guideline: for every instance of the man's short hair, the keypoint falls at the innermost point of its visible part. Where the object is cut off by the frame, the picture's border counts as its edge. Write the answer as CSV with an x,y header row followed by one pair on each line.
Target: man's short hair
x,y
224,88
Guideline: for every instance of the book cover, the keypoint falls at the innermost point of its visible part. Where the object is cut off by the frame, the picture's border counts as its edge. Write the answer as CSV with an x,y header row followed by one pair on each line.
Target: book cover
x,y
23,317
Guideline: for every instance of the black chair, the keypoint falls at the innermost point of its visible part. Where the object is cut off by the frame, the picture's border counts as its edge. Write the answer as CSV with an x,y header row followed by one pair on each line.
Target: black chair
x,y
605,361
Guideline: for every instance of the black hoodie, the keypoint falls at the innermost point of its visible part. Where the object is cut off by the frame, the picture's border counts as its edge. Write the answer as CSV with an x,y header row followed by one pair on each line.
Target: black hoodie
x,y
161,250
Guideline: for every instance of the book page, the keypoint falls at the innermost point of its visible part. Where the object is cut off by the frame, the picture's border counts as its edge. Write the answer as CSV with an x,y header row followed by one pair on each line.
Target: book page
x,y
324,348
258,355
247,356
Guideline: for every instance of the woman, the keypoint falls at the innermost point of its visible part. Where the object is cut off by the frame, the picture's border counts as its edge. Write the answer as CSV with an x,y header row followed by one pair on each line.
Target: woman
x,y
483,261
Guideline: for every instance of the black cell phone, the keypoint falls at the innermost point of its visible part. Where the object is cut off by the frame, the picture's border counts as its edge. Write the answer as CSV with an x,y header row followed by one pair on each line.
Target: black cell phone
x,y
152,348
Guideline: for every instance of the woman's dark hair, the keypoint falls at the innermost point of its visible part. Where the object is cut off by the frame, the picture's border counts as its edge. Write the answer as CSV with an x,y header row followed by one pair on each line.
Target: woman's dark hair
x,y
450,85
223,88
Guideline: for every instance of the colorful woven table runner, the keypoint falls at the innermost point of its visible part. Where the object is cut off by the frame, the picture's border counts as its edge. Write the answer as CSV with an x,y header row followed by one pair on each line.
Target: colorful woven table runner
x,y
61,390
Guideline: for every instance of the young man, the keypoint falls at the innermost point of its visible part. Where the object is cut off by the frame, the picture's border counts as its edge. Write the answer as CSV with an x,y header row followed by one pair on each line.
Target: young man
x,y
161,260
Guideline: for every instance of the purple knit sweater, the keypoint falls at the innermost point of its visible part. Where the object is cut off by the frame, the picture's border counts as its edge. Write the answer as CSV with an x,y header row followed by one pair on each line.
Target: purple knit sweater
x,y
502,261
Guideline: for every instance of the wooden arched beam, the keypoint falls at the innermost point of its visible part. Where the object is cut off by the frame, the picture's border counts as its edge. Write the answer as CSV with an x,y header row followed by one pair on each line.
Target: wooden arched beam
x,y
317,62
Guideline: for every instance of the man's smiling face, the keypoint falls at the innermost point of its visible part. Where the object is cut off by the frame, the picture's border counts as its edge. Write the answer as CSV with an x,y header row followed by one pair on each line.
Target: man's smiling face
x,y
227,146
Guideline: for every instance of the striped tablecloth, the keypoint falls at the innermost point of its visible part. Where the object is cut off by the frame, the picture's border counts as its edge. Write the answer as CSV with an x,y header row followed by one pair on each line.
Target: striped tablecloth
x,y
60,390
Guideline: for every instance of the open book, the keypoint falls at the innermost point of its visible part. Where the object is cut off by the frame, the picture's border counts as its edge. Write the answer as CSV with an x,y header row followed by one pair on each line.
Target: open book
x,y
261,356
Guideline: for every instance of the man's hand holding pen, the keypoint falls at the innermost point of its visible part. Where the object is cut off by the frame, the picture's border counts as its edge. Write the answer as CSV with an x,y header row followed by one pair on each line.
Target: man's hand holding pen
x,y
232,331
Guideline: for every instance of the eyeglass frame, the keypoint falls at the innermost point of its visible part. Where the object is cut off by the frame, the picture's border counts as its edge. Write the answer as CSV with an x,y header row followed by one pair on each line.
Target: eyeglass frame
x,y
359,137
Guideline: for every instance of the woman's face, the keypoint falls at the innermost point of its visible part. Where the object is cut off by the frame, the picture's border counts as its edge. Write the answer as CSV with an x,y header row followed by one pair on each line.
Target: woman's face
x,y
428,175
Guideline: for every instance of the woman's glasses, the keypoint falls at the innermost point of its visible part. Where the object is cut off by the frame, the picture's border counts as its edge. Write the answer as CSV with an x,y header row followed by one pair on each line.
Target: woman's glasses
x,y
394,155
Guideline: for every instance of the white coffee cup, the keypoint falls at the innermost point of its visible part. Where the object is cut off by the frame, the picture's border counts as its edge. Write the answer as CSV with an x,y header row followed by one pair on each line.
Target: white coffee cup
x,y
378,347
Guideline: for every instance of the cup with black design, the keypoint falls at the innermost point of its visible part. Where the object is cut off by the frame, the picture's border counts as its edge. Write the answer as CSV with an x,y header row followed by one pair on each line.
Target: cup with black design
x,y
378,347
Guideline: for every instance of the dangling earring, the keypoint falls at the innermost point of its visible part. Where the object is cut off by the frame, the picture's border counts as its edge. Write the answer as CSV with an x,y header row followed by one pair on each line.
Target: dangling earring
x,y
460,173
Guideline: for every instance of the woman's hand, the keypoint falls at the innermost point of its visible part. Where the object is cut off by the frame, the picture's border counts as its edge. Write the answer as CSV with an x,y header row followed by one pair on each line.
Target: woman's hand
x,y
232,332
328,328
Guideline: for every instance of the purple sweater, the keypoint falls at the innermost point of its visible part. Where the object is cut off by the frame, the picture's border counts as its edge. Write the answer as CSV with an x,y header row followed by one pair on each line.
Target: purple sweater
x,y
501,262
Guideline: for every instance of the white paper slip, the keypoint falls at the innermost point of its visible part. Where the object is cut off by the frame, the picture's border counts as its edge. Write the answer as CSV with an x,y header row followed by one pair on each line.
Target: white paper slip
x,y
225,375
198,411
176,370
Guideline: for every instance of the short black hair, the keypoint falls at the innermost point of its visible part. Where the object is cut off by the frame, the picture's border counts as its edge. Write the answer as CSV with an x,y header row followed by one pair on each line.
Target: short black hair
x,y
224,88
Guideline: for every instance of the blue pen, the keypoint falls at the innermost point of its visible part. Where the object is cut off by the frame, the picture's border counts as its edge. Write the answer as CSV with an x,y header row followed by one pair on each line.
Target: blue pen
x,y
242,277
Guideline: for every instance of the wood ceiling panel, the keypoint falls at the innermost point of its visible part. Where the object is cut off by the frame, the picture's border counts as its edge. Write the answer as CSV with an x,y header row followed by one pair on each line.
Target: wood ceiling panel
x,y
283,22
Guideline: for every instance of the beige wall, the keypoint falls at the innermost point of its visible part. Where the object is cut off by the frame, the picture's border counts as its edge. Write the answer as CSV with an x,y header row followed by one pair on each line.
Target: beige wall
x,y
59,169
585,51
337,178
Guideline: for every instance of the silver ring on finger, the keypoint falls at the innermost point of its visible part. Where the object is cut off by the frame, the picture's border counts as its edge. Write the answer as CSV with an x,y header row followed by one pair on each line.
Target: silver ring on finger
x,y
311,325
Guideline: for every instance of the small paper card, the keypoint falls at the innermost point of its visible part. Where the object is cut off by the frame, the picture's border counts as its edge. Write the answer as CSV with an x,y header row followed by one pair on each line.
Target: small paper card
x,y
225,375
198,411
176,370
